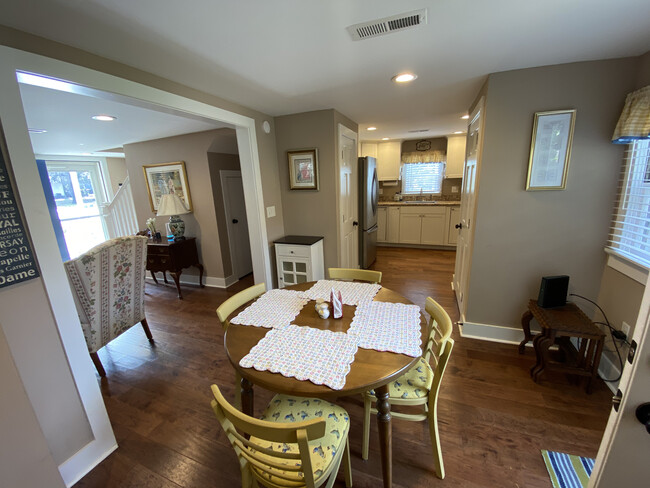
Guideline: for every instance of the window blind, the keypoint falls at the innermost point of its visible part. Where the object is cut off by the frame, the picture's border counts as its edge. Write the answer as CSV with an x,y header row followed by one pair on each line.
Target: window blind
x,y
630,229
422,177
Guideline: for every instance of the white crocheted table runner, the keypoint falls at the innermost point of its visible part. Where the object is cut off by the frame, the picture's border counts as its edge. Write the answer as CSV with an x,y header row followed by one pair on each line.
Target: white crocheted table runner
x,y
320,356
352,292
276,308
385,326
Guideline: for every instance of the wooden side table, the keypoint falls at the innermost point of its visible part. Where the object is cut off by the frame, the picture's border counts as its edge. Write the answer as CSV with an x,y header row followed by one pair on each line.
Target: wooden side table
x,y
173,256
559,325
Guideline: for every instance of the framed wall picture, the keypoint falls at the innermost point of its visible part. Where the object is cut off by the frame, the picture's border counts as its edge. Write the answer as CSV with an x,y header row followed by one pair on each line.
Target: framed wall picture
x,y
167,178
303,169
550,150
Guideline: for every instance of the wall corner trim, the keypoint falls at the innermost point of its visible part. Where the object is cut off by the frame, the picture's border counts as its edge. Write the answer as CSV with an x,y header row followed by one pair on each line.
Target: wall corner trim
x,y
493,333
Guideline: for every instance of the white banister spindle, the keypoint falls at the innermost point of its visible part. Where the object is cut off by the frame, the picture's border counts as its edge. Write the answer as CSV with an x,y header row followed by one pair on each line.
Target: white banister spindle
x,y
119,214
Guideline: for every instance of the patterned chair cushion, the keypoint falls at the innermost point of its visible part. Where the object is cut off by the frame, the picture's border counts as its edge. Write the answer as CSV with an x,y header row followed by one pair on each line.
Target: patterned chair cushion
x,y
108,288
415,383
284,408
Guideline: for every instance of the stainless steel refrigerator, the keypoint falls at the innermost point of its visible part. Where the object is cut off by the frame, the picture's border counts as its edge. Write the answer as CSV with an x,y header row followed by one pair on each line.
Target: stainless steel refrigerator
x,y
368,198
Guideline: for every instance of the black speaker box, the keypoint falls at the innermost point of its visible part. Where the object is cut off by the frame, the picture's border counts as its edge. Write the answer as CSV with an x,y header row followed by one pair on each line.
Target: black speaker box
x,y
553,291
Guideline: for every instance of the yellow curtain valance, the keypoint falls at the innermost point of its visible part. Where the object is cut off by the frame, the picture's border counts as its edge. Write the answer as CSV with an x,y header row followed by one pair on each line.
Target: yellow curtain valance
x,y
424,157
634,123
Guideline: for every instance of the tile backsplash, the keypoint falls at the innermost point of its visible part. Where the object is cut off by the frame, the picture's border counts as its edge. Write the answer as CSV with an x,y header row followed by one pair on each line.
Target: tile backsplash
x,y
448,193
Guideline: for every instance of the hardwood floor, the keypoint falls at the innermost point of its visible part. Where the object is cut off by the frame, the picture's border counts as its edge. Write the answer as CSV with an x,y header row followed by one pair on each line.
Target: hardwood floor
x,y
493,419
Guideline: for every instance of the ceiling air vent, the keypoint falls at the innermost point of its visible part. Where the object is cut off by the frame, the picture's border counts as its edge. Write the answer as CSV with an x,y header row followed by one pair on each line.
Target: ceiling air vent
x,y
387,25
419,130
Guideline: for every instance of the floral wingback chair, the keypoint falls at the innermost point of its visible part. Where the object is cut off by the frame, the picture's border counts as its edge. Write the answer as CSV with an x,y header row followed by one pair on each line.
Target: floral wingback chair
x,y
108,287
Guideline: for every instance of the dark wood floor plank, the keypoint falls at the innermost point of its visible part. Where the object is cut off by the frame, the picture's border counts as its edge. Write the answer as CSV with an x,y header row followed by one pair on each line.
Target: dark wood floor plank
x,y
494,419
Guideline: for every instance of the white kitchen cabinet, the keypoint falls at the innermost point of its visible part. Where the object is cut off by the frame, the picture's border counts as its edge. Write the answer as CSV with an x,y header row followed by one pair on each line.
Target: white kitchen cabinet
x,y
389,156
369,149
381,224
299,259
392,224
423,225
452,231
455,156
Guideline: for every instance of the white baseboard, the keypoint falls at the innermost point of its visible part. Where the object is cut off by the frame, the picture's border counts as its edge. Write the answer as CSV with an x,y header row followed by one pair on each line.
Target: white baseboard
x,y
508,335
212,281
84,461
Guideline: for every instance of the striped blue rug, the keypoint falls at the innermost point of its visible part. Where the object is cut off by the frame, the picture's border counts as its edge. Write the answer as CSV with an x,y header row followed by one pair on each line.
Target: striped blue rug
x,y
567,471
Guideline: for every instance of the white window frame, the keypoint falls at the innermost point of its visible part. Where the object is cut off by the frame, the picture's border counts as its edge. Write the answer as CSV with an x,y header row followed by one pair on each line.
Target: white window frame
x,y
405,178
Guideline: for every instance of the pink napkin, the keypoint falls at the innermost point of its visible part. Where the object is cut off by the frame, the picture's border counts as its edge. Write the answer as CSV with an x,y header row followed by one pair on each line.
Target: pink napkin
x,y
337,304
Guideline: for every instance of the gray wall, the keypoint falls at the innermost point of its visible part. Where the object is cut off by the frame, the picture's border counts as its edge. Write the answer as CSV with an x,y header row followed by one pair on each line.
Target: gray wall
x,y
116,172
312,212
521,236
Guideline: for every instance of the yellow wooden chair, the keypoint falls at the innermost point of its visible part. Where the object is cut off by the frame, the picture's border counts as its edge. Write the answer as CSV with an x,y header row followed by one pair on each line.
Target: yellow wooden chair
x,y
298,442
421,384
226,309
355,274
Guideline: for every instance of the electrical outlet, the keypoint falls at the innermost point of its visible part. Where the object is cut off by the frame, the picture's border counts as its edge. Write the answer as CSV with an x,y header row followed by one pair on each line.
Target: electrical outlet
x,y
625,328
270,211
454,189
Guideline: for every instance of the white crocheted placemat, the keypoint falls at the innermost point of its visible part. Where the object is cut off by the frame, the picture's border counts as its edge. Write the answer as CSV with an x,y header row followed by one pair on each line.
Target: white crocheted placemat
x,y
352,292
385,326
307,354
276,308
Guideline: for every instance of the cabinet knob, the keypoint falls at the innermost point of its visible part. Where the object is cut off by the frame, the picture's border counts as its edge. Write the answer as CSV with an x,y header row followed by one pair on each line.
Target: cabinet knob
x,y
235,221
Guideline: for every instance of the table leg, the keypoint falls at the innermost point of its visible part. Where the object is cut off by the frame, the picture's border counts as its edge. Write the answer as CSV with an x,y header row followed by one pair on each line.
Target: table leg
x,y
596,362
176,276
247,397
525,324
541,350
200,266
385,434
165,276
153,275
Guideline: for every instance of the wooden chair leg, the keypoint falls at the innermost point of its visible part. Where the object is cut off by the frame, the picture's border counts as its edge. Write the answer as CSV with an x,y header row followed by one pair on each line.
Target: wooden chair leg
x,y
98,364
145,326
435,440
366,426
237,402
347,466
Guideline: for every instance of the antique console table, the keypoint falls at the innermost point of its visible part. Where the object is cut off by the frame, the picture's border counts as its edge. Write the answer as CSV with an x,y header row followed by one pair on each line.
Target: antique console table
x,y
173,256
559,325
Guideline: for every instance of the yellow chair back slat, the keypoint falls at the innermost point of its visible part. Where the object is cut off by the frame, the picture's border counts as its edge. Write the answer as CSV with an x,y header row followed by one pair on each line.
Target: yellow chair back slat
x,y
368,275
237,300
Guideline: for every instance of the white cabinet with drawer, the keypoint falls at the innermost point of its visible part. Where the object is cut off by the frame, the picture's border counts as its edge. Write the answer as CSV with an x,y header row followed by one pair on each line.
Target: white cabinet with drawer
x,y
299,259
423,225
382,214
452,231
392,224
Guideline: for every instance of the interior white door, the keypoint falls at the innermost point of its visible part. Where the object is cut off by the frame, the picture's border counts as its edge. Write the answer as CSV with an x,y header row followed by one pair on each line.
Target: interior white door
x,y
468,209
623,455
235,210
348,198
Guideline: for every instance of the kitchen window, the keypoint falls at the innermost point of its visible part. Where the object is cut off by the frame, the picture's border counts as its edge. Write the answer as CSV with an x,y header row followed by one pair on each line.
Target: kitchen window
x,y
630,231
422,177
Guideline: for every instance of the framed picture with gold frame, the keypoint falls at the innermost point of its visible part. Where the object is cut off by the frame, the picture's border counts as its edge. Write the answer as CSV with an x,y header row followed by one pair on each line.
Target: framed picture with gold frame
x,y
550,150
167,178
303,169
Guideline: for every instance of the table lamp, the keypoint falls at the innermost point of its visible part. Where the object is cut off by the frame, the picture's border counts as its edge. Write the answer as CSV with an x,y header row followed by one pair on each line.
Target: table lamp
x,y
172,205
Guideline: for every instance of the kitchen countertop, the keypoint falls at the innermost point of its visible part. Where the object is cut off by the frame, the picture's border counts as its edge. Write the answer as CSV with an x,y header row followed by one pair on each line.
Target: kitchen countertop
x,y
418,204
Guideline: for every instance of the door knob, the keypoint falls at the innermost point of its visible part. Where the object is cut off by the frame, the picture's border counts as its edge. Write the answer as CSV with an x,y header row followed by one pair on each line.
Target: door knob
x,y
235,221
355,223
616,400
459,226
643,415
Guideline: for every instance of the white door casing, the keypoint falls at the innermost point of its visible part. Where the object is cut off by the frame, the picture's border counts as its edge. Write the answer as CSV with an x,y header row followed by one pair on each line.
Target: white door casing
x,y
468,208
624,451
348,198
236,222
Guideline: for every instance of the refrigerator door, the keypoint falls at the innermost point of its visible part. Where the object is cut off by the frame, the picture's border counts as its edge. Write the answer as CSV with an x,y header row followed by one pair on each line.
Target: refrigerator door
x,y
368,247
369,192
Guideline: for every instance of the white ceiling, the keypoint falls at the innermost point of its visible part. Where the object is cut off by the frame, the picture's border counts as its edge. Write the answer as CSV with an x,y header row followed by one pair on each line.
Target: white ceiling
x,y
288,56
67,118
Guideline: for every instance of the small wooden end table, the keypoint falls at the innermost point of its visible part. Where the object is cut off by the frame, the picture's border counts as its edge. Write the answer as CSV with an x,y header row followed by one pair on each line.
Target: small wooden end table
x,y
559,325
173,256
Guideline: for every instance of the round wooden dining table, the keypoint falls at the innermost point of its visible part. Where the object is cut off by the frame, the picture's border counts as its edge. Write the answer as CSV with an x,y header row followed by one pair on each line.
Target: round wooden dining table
x,y
371,370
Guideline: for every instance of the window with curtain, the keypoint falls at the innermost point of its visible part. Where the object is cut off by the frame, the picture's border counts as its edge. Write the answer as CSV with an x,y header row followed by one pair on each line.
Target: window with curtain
x,y
422,172
630,232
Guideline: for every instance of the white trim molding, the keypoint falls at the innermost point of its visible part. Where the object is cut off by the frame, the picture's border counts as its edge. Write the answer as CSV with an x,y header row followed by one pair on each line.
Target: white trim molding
x,y
626,266
189,279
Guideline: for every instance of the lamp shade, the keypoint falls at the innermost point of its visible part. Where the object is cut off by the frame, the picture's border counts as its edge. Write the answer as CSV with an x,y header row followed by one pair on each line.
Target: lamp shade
x,y
171,204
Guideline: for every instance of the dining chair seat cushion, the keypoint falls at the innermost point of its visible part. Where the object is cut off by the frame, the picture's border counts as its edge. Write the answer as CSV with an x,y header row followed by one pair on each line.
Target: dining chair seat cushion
x,y
415,383
284,408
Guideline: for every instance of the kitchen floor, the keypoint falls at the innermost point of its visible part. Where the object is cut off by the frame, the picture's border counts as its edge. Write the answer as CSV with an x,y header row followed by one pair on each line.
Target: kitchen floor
x,y
493,419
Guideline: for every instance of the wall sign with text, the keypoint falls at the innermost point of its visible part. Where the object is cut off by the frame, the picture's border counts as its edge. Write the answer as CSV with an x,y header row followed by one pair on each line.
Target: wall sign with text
x,y
17,262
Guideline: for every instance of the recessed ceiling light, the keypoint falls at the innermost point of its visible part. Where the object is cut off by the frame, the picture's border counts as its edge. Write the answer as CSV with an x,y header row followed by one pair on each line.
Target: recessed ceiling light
x,y
371,128
459,132
86,154
385,138
37,131
104,118
404,77
465,117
